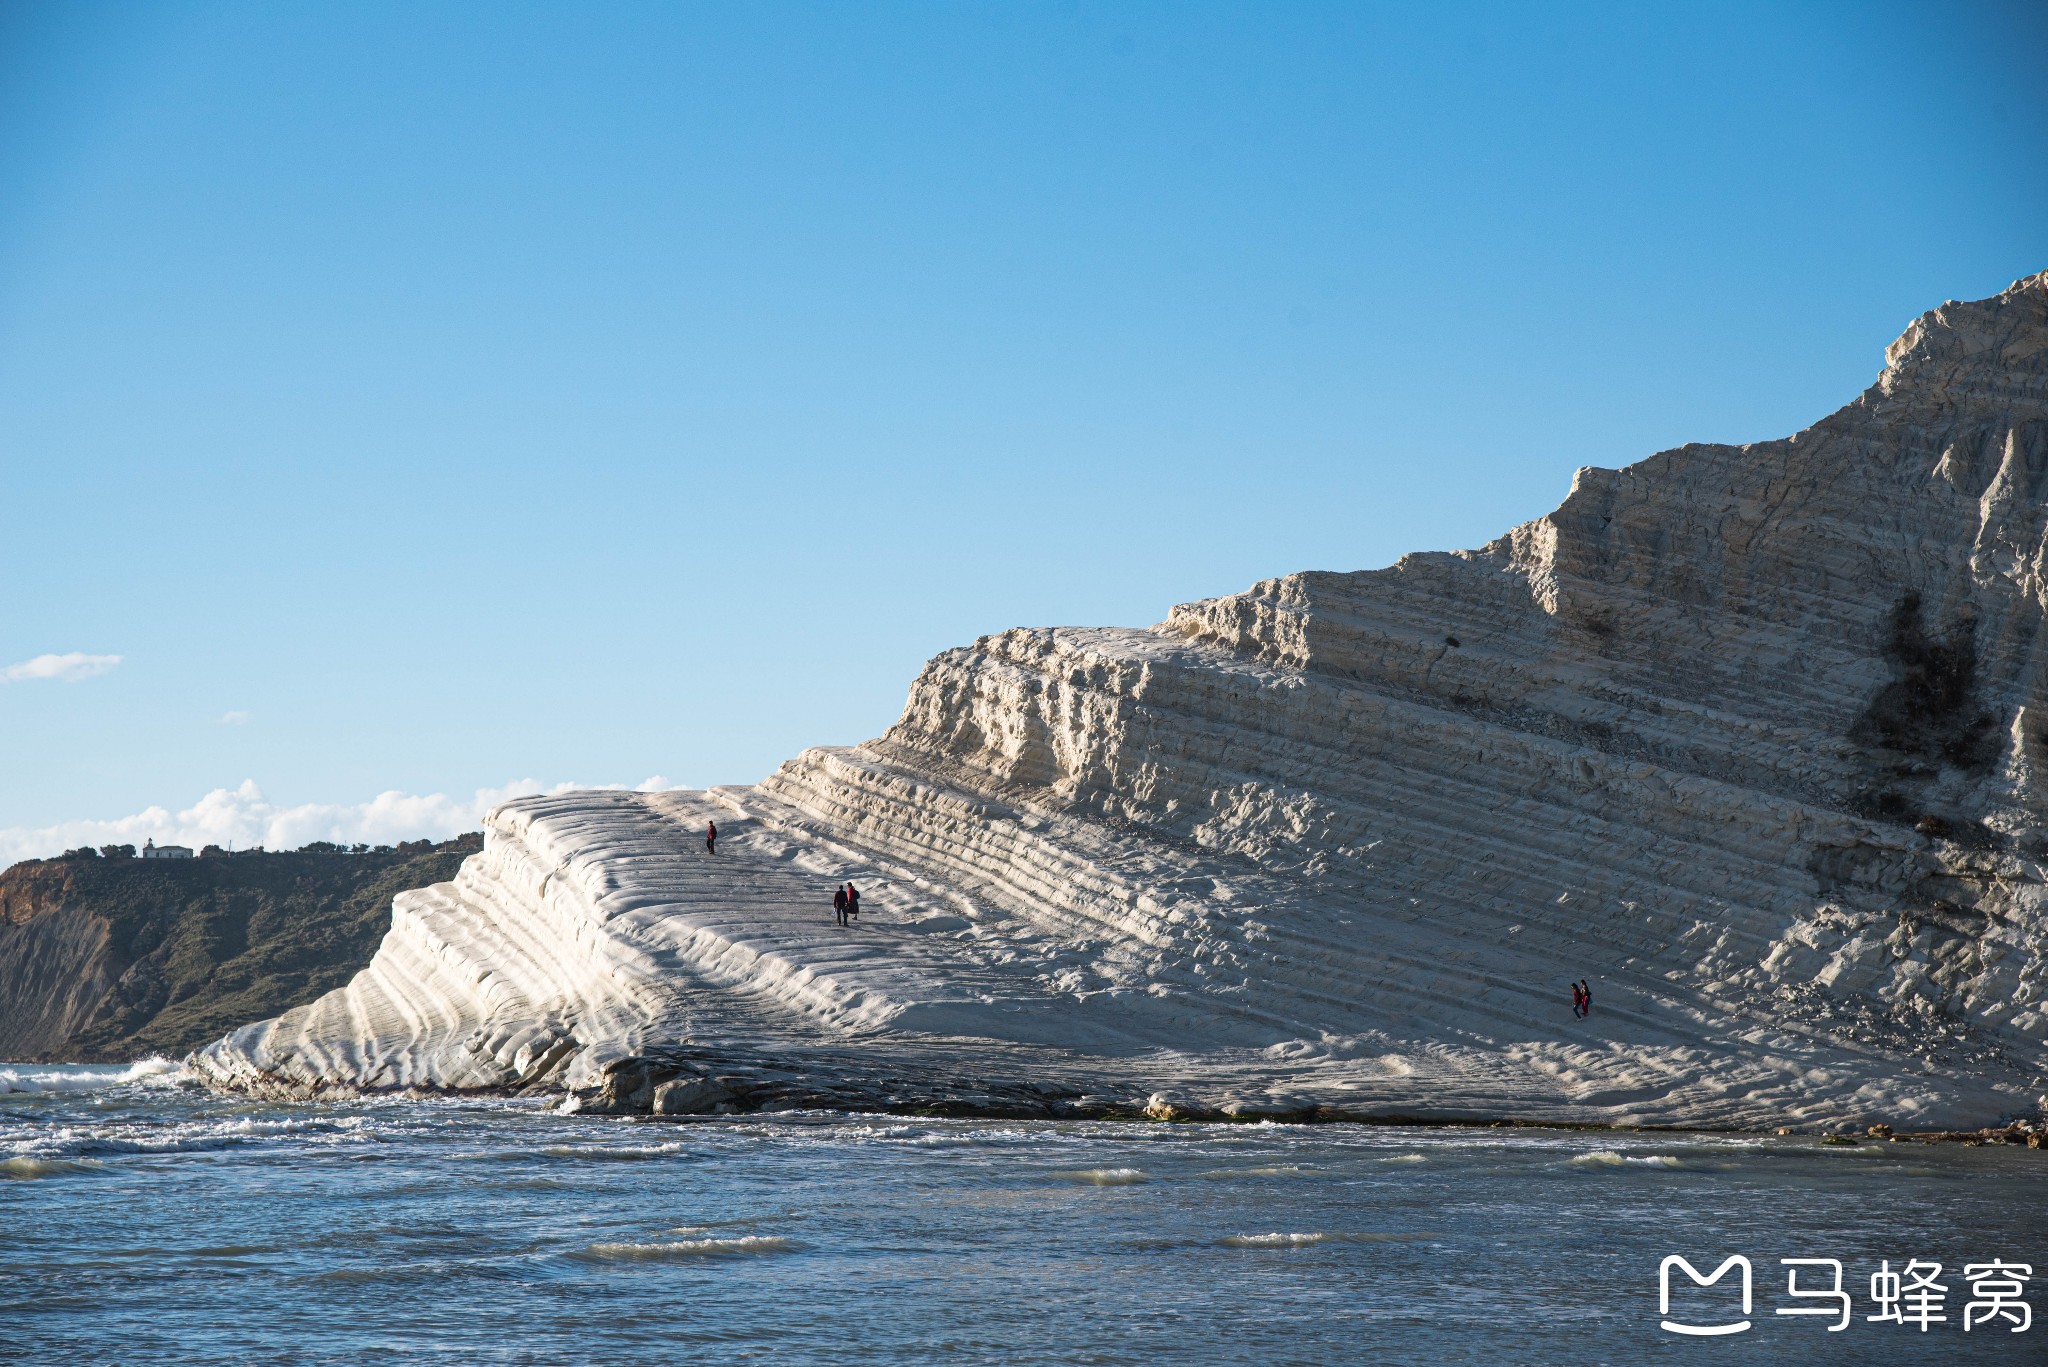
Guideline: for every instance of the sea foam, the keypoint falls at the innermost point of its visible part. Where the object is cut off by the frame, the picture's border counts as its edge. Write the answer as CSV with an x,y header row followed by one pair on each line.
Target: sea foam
x,y
1608,1158
31,1078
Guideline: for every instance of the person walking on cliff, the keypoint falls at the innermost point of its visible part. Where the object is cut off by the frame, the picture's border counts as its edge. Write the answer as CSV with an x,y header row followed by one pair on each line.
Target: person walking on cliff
x,y
839,903
1585,998
852,903
1578,1002
711,836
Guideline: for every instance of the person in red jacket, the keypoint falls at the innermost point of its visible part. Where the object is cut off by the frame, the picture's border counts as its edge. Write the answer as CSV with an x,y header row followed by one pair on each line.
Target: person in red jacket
x,y
852,903
711,836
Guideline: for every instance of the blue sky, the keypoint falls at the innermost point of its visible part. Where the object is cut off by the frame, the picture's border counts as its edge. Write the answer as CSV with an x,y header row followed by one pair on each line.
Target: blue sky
x,y
421,398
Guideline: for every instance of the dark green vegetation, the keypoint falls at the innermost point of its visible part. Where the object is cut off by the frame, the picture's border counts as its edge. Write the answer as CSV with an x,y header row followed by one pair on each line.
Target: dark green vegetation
x,y
108,959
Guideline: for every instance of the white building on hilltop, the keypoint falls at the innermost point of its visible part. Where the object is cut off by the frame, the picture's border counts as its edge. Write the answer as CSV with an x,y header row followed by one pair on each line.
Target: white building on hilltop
x,y
154,851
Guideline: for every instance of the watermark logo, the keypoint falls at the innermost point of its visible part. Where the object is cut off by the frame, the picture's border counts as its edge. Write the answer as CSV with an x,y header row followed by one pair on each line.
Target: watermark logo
x,y
1913,1297
1701,1331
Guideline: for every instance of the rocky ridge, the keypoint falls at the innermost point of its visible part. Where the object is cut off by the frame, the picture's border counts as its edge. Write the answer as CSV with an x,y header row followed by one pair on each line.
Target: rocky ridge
x,y
108,959
1749,737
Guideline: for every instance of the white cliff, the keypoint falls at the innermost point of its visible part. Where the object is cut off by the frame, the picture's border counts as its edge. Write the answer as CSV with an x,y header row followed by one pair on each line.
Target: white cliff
x,y
1749,737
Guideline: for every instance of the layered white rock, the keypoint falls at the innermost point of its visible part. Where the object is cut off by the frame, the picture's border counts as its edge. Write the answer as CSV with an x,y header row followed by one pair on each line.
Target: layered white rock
x,y
1749,737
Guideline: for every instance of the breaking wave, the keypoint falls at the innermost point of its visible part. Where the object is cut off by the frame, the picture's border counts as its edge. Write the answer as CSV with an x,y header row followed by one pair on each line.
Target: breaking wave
x,y
1608,1158
199,1137
30,1078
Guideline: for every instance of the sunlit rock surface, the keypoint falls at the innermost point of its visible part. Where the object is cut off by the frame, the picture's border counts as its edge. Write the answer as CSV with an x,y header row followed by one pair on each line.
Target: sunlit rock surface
x,y
1748,737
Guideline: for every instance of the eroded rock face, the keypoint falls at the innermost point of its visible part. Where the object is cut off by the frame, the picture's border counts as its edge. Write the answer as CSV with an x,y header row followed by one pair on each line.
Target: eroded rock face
x,y
1749,738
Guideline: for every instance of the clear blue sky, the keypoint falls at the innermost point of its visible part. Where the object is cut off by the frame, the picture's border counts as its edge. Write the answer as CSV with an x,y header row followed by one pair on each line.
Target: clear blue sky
x,y
473,391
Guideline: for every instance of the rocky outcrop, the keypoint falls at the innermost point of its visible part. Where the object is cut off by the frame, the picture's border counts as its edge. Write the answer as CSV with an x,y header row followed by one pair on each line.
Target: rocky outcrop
x,y
109,959
1748,738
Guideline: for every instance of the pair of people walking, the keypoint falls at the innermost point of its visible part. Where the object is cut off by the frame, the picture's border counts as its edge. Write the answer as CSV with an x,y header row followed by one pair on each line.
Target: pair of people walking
x,y
1582,999
846,904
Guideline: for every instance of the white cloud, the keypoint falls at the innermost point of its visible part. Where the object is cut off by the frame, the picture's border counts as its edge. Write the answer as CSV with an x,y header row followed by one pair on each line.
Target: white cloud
x,y
70,667
243,817
233,718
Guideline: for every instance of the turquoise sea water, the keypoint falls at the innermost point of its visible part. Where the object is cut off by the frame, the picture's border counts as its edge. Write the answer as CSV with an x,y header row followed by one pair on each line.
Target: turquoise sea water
x,y
143,1221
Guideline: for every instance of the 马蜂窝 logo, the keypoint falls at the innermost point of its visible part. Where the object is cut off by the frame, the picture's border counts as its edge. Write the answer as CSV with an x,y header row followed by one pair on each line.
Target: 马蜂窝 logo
x,y
1912,1297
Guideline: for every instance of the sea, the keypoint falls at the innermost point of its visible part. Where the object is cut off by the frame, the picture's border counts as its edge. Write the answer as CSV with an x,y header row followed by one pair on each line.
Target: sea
x,y
144,1220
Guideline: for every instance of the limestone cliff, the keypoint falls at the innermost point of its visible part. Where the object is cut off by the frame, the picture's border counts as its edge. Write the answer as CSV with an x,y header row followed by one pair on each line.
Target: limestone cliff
x,y
1751,738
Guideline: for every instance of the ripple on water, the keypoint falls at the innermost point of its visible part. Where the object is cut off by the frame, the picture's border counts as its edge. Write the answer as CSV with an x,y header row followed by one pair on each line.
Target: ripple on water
x,y
744,1246
1101,1177
1272,1240
1280,1239
26,1167
1305,1240
1274,1170
600,1153
439,1271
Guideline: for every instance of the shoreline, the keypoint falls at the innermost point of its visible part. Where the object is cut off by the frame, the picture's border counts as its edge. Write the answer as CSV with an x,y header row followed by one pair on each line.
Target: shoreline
x,y
633,1090
636,1088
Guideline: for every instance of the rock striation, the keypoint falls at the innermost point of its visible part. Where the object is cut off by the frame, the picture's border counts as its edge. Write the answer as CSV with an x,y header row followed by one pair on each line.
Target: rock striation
x,y
1749,738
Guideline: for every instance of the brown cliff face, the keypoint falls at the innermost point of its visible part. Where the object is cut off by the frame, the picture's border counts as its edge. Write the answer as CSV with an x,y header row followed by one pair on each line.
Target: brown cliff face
x,y
54,965
106,960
